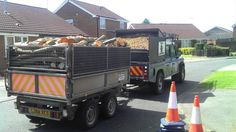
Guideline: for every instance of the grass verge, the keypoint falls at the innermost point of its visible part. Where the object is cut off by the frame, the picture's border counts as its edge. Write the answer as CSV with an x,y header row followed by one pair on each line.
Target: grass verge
x,y
220,80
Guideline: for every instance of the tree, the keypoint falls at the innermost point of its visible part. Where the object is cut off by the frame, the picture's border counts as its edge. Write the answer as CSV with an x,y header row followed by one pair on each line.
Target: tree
x,y
146,21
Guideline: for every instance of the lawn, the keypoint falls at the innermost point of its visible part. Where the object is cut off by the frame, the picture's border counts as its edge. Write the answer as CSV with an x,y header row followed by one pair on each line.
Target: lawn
x,y
220,80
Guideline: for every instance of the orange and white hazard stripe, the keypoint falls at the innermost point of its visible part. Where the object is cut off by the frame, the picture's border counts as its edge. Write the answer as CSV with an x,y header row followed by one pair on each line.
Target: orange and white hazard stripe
x,y
136,71
23,83
196,122
52,85
172,114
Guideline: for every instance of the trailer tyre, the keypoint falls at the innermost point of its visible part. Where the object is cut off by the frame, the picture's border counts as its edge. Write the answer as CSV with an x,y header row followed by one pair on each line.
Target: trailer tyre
x,y
108,106
33,119
179,77
88,114
159,85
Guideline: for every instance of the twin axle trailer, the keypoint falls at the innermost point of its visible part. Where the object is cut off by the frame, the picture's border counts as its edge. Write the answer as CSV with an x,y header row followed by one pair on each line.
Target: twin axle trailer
x,y
62,82
74,82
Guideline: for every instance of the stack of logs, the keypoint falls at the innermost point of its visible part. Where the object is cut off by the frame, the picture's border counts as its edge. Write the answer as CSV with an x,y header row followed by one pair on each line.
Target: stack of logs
x,y
132,42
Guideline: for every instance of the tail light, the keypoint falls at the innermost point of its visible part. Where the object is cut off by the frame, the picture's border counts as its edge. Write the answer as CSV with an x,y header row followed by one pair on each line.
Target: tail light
x,y
145,72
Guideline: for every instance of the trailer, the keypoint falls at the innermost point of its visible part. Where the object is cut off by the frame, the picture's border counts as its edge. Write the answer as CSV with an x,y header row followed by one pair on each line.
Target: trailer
x,y
154,57
67,82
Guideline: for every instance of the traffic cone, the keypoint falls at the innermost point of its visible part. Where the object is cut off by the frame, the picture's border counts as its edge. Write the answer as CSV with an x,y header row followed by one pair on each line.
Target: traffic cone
x,y
196,122
172,114
172,122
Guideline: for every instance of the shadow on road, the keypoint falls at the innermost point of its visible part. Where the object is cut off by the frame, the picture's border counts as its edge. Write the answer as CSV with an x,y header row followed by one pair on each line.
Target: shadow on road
x,y
127,119
187,88
133,119
194,88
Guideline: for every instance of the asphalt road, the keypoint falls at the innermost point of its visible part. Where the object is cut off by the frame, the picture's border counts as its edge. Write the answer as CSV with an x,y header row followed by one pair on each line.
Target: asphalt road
x,y
139,110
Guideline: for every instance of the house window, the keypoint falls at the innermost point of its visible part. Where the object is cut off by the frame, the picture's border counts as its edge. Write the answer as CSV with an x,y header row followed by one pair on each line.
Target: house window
x,y
24,39
122,25
17,39
102,23
71,21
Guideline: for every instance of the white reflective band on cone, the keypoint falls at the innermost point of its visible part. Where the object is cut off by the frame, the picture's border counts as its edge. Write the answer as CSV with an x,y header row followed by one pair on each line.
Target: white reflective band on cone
x,y
196,116
172,100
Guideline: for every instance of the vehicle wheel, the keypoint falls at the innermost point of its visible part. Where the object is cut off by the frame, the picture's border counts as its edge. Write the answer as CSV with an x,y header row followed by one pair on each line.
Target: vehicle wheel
x,y
87,115
179,77
159,85
108,106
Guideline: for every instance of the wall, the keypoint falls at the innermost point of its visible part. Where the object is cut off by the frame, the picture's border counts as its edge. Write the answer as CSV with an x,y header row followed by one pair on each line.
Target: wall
x,y
2,55
82,20
111,27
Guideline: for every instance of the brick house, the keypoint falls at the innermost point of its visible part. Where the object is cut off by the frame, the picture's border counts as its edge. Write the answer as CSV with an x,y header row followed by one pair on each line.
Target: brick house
x,y
186,32
92,19
21,23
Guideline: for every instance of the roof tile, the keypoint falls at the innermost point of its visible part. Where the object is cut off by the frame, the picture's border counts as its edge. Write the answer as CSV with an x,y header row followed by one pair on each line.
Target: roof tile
x,y
98,10
34,20
185,31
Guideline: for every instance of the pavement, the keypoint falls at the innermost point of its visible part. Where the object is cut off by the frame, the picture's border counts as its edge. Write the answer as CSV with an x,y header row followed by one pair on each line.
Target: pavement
x,y
218,106
3,92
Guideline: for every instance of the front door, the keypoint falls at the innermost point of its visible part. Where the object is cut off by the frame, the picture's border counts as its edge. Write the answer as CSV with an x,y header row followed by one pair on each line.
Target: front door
x,y
168,64
174,63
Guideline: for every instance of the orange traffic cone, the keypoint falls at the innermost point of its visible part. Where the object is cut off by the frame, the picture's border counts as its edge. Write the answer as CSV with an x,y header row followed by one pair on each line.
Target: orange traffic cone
x,y
195,122
172,114
172,122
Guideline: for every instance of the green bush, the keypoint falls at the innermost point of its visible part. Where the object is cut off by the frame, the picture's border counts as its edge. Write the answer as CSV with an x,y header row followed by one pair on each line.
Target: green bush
x,y
217,51
232,54
187,51
199,46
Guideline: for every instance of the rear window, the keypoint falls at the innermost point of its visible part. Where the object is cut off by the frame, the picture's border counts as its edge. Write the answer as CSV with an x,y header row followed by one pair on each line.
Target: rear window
x,y
141,57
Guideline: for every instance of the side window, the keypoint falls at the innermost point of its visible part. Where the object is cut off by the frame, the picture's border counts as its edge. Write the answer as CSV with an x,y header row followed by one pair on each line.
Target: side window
x,y
102,23
172,51
167,50
161,48
122,25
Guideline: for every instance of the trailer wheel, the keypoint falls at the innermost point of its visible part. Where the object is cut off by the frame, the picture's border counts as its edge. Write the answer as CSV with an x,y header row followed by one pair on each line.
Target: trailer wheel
x,y
33,119
179,77
108,106
159,85
88,114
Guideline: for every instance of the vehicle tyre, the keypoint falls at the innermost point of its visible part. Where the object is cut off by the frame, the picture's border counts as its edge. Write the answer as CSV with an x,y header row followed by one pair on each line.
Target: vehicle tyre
x,y
159,85
179,77
108,106
87,114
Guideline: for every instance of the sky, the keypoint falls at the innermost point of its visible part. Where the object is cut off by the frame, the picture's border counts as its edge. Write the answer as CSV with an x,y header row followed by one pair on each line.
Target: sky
x,y
204,14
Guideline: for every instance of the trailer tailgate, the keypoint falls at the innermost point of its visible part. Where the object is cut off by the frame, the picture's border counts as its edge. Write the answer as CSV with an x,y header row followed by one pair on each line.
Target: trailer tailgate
x,y
37,84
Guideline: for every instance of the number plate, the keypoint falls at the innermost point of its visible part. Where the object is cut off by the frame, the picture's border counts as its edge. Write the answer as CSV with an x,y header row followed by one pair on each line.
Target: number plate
x,y
39,112
121,76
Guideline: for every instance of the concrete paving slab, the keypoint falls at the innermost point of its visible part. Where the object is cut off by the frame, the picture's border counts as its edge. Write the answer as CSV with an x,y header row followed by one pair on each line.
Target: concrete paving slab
x,y
218,109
